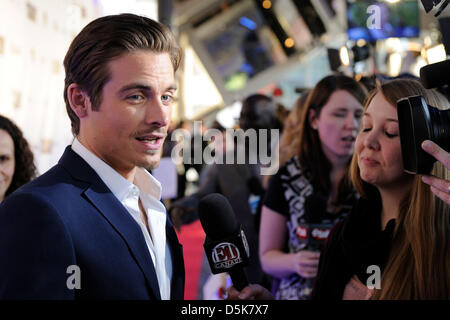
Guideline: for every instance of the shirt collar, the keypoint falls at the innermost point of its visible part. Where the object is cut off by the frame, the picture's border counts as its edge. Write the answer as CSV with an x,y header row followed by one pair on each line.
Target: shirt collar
x,y
118,185
148,183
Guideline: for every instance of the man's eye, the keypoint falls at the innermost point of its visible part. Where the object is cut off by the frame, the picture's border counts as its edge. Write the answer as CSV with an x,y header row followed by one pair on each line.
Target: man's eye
x,y
136,97
166,98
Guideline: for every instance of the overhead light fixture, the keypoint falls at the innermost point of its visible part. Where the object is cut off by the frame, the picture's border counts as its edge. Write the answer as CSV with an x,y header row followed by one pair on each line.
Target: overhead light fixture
x,y
267,4
436,54
289,42
361,42
343,54
395,64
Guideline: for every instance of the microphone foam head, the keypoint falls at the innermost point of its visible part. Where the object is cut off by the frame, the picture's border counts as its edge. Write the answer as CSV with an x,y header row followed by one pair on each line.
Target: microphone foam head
x,y
217,216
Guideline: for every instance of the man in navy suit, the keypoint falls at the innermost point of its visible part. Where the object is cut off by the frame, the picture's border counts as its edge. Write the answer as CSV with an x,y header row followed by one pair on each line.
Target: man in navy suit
x,y
93,226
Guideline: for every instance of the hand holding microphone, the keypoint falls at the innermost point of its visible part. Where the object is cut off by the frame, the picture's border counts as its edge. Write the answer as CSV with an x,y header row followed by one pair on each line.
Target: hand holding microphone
x,y
226,247
225,244
251,292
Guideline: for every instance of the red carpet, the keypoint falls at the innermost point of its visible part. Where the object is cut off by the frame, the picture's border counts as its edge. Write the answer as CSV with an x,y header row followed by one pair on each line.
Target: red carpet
x,y
192,236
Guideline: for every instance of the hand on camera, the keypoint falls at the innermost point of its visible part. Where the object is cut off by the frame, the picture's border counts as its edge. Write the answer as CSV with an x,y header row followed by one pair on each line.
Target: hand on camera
x,y
440,187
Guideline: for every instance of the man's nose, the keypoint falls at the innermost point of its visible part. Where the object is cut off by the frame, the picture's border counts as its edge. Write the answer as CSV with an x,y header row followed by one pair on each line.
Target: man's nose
x,y
157,114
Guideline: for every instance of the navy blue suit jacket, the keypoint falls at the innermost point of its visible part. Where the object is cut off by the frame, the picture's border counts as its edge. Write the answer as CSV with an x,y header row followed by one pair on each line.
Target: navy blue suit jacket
x,y
66,217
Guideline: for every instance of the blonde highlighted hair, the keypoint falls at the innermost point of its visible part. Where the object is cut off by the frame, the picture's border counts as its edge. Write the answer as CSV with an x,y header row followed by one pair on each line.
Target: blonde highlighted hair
x,y
418,266
290,139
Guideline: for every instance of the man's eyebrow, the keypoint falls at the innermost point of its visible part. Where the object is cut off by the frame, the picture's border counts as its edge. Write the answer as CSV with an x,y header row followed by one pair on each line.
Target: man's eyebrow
x,y
143,87
388,119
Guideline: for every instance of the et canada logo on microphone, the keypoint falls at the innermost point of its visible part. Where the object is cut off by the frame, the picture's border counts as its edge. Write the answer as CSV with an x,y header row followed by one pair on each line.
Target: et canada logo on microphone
x,y
227,253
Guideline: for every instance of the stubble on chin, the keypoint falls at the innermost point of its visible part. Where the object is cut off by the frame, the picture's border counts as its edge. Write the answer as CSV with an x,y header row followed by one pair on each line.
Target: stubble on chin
x,y
154,162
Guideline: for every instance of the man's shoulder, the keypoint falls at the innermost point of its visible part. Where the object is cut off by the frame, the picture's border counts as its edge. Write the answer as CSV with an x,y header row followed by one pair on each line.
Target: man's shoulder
x,y
53,184
51,179
53,196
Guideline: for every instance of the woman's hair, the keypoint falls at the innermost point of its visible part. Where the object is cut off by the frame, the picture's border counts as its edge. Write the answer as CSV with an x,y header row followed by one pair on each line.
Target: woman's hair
x,y
418,266
310,153
25,169
289,140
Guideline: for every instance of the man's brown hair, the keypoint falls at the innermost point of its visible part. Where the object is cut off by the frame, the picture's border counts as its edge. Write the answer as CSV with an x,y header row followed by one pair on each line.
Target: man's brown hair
x,y
107,38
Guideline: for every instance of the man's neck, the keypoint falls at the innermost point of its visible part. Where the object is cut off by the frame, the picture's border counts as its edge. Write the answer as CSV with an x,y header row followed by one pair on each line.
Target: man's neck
x,y
126,172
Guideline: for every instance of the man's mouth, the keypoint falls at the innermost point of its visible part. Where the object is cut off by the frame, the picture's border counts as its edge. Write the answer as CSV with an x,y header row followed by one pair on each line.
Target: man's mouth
x,y
148,140
152,141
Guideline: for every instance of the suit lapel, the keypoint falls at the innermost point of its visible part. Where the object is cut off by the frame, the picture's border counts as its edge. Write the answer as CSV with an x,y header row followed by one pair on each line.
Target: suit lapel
x,y
114,212
178,275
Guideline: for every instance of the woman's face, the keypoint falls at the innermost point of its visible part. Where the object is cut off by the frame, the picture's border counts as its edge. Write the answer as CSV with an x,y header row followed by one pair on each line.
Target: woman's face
x,y
7,162
378,146
338,125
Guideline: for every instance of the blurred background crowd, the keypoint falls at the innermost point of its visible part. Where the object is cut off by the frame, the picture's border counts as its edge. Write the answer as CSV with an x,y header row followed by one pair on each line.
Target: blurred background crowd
x,y
246,64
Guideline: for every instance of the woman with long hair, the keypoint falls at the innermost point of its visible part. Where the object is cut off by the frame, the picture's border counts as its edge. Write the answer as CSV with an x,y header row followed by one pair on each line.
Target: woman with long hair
x,y
398,225
16,159
395,243
289,140
328,125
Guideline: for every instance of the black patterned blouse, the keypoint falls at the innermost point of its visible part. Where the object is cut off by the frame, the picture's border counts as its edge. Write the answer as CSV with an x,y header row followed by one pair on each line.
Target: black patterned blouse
x,y
286,194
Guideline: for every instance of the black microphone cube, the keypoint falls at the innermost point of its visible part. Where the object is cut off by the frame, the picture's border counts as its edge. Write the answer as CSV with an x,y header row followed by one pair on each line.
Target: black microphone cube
x,y
226,254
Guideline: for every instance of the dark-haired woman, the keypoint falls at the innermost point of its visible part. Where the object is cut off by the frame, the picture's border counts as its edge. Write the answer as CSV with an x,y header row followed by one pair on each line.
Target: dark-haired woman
x,y
16,159
329,123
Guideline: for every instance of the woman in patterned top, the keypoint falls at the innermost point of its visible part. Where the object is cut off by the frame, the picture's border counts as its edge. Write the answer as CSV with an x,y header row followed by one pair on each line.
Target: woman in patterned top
x,y
329,123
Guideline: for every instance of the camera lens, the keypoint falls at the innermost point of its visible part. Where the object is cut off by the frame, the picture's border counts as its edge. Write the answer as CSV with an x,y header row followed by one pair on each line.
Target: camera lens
x,y
418,122
440,125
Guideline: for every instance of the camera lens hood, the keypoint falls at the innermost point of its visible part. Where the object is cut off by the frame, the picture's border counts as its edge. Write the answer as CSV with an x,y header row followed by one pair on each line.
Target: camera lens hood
x,y
415,126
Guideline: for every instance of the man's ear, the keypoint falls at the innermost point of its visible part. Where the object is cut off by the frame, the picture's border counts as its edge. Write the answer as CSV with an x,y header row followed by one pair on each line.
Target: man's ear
x,y
312,119
79,100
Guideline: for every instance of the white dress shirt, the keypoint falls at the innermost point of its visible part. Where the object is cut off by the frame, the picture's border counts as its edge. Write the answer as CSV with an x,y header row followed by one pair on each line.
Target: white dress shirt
x,y
148,189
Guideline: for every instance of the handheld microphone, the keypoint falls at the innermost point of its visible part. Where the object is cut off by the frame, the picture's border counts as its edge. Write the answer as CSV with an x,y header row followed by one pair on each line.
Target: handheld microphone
x,y
225,244
315,225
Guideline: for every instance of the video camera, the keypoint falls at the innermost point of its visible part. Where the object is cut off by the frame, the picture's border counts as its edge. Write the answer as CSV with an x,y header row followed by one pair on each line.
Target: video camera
x,y
419,121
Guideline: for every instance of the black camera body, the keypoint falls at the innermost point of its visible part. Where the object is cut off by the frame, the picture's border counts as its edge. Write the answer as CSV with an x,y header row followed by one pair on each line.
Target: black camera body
x,y
419,121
